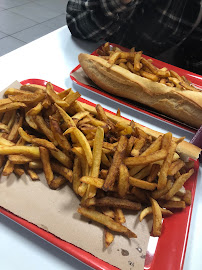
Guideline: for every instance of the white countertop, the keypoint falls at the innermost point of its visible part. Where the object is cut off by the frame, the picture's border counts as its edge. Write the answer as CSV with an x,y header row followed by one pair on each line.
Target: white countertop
x,y
52,58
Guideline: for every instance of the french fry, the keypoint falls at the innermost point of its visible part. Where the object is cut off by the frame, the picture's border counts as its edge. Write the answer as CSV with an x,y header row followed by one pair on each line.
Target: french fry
x,y
172,204
174,74
189,87
156,194
140,195
155,146
84,164
108,212
119,216
64,93
52,95
105,160
6,142
163,173
123,65
102,115
57,133
143,160
137,65
7,116
187,197
97,155
148,210
166,140
37,164
153,173
149,76
62,170
93,181
131,141
175,167
149,64
113,202
106,221
33,175
8,168
11,106
35,110
44,128
142,184
32,87
32,151
57,182
19,159
144,172
46,103
178,184
46,164
43,142
80,115
84,144
118,113
114,57
27,98
123,181
117,160
14,91
138,144
109,237
30,121
24,135
18,170
14,131
71,98
127,55
76,175
163,72
62,157
157,217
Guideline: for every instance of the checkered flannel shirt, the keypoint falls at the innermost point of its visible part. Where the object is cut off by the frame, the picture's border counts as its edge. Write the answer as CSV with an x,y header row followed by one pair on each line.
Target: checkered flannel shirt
x,y
153,26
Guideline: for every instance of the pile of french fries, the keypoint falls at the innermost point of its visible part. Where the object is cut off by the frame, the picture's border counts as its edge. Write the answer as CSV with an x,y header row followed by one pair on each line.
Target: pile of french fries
x,y
136,63
110,165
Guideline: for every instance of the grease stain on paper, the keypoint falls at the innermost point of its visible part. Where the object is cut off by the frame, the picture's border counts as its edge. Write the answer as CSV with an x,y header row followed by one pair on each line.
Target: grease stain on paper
x,y
124,252
143,256
139,249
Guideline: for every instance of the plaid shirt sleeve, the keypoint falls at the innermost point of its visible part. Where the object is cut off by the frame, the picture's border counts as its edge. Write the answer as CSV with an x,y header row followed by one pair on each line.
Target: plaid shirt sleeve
x,y
152,26
97,19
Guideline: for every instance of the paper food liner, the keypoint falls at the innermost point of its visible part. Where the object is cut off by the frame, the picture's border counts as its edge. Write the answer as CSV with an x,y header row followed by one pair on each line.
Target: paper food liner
x,y
56,212
80,76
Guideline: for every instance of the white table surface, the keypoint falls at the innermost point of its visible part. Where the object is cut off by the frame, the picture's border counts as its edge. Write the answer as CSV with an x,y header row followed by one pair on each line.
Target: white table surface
x,y
51,58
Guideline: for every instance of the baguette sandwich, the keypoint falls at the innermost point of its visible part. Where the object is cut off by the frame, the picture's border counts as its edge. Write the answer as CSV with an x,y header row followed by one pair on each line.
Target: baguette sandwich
x,y
140,81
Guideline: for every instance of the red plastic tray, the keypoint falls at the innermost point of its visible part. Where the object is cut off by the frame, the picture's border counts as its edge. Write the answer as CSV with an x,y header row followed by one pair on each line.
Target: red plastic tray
x,y
194,78
159,256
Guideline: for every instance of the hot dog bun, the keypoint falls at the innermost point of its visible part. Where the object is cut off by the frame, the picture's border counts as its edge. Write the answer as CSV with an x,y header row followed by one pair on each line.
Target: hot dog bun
x,y
182,105
184,149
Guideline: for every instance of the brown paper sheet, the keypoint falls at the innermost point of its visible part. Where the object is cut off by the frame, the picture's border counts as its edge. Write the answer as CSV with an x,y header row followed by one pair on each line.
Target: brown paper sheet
x,y
56,212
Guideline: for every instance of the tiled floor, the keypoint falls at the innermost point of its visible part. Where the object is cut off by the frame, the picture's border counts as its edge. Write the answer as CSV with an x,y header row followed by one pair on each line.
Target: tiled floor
x,y
22,21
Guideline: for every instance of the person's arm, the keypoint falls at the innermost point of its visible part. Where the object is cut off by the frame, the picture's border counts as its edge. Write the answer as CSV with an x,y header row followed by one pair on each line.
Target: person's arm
x,y
98,19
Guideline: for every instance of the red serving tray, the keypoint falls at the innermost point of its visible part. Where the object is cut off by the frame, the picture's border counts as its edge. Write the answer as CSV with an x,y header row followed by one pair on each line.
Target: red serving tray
x,y
194,78
165,252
